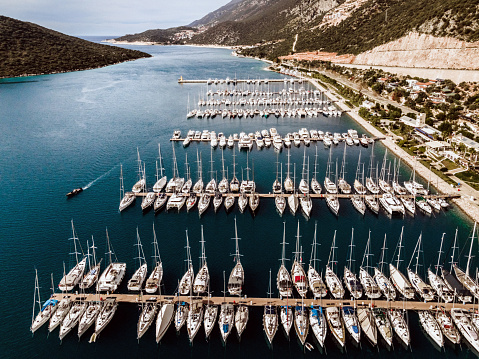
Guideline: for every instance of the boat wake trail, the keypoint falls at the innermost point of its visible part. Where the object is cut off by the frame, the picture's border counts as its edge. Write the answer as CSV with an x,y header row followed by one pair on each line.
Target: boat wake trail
x,y
99,178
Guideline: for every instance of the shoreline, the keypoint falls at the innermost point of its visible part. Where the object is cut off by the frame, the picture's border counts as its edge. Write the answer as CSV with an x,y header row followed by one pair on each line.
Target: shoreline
x,y
469,208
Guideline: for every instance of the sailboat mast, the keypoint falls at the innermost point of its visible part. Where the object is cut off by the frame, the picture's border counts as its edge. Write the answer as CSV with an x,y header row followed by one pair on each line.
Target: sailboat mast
x,y
418,251
122,188
203,257
283,253
237,245
470,249
453,251
155,249
399,246
381,262
161,160
188,254
296,255
439,255
108,242
351,245
316,162
74,242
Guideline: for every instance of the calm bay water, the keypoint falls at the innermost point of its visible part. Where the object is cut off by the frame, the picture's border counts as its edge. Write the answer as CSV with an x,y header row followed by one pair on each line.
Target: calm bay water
x,y
59,132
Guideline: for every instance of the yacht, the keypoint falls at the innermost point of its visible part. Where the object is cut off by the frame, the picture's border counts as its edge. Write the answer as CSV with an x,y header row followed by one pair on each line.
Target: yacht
x,y
241,319
301,323
136,281
93,268
89,317
161,180
154,280
409,205
383,325
245,142
46,311
351,323
63,307
202,280
425,291
181,314
164,319
242,202
350,280
194,320
126,199
297,271
431,327
448,329
464,276
226,320
177,200
398,279
288,182
423,205
391,204
368,325
465,327
399,324
283,279
204,203
332,281
75,275
236,278
140,185
343,185
199,185
254,202
336,325
176,182
315,186
147,316
381,280
210,314
106,314
315,280
280,203
270,321
333,204
217,201
113,274
318,324
160,202
437,283
186,282
191,201
72,318
287,319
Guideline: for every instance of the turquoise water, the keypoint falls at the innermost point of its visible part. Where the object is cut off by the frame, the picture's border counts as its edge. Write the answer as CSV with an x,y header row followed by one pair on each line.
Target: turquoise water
x,y
59,132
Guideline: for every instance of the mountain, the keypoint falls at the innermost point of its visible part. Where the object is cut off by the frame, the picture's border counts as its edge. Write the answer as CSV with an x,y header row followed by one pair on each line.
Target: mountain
x,y
159,36
30,49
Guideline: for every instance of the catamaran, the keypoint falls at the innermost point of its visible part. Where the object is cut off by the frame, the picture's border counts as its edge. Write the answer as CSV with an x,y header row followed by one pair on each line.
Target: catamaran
x,y
315,280
70,280
236,278
136,281
371,289
202,280
113,274
160,178
154,280
186,281
350,279
332,281
297,271
283,279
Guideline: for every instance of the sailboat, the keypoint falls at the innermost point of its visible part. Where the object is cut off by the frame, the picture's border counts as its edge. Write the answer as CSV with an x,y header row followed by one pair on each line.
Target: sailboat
x,y
147,317
368,325
336,325
293,201
234,184
384,325
254,198
195,318
210,314
288,182
414,187
202,280
45,311
236,278
318,324
164,319
358,185
332,281
383,184
431,327
277,185
136,281
467,330
370,182
279,199
463,276
371,289
227,316
181,313
247,186
270,317
305,200
93,268
106,315
140,185
198,187
446,324
304,183
287,319
89,316
73,317
63,307
343,185
381,280
186,281
332,199
400,190
148,197
329,185
211,186
437,283
75,275
351,323
283,279
126,199
113,274
398,279
186,188
224,184
241,319
160,178
176,182
315,186
154,280
297,271
399,324
301,322
315,280
424,290
350,279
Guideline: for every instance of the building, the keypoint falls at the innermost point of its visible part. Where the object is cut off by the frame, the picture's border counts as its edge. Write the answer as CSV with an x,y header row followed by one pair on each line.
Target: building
x,y
420,121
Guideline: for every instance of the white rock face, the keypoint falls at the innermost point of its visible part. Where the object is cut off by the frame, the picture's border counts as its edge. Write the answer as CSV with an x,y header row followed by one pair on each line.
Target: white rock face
x,y
426,51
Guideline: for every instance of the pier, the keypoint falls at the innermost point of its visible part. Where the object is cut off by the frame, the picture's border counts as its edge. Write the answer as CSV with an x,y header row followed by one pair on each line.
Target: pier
x,y
236,81
260,302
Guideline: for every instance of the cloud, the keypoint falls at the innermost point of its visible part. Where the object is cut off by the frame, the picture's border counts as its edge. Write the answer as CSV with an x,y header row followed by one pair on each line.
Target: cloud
x,y
107,17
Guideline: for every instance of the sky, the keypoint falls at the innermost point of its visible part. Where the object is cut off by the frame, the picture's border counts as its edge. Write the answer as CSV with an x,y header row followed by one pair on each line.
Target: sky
x,y
107,17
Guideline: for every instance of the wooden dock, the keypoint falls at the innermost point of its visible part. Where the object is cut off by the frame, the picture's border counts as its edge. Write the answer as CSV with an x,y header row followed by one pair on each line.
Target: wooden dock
x,y
259,302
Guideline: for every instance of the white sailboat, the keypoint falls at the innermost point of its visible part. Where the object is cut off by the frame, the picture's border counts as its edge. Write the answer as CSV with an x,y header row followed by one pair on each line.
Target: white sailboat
x,y
176,182
288,182
370,182
202,280
351,323
277,184
467,330
154,280
211,185
93,268
358,185
446,324
126,199
384,326
113,274
301,322
343,185
270,317
227,316
464,276
304,199
431,327
148,197
329,185
315,280
136,281
210,314
234,184
380,278
195,318
186,281
287,319
164,319
298,274
304,183
45,311
350,280
442,290
140,185
223,186
283,279
399,324
332,281
371,289
315,186
293,201
147,317
236,278
398,279
73,317
89,316
198,187
368,325
382,182
279,199
318,323
106,315
161,180
424,290
241,319
75,275
336,325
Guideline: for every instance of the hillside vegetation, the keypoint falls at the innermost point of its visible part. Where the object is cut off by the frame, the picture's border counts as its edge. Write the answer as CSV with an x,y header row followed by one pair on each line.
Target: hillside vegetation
x,y
160,36
29,49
